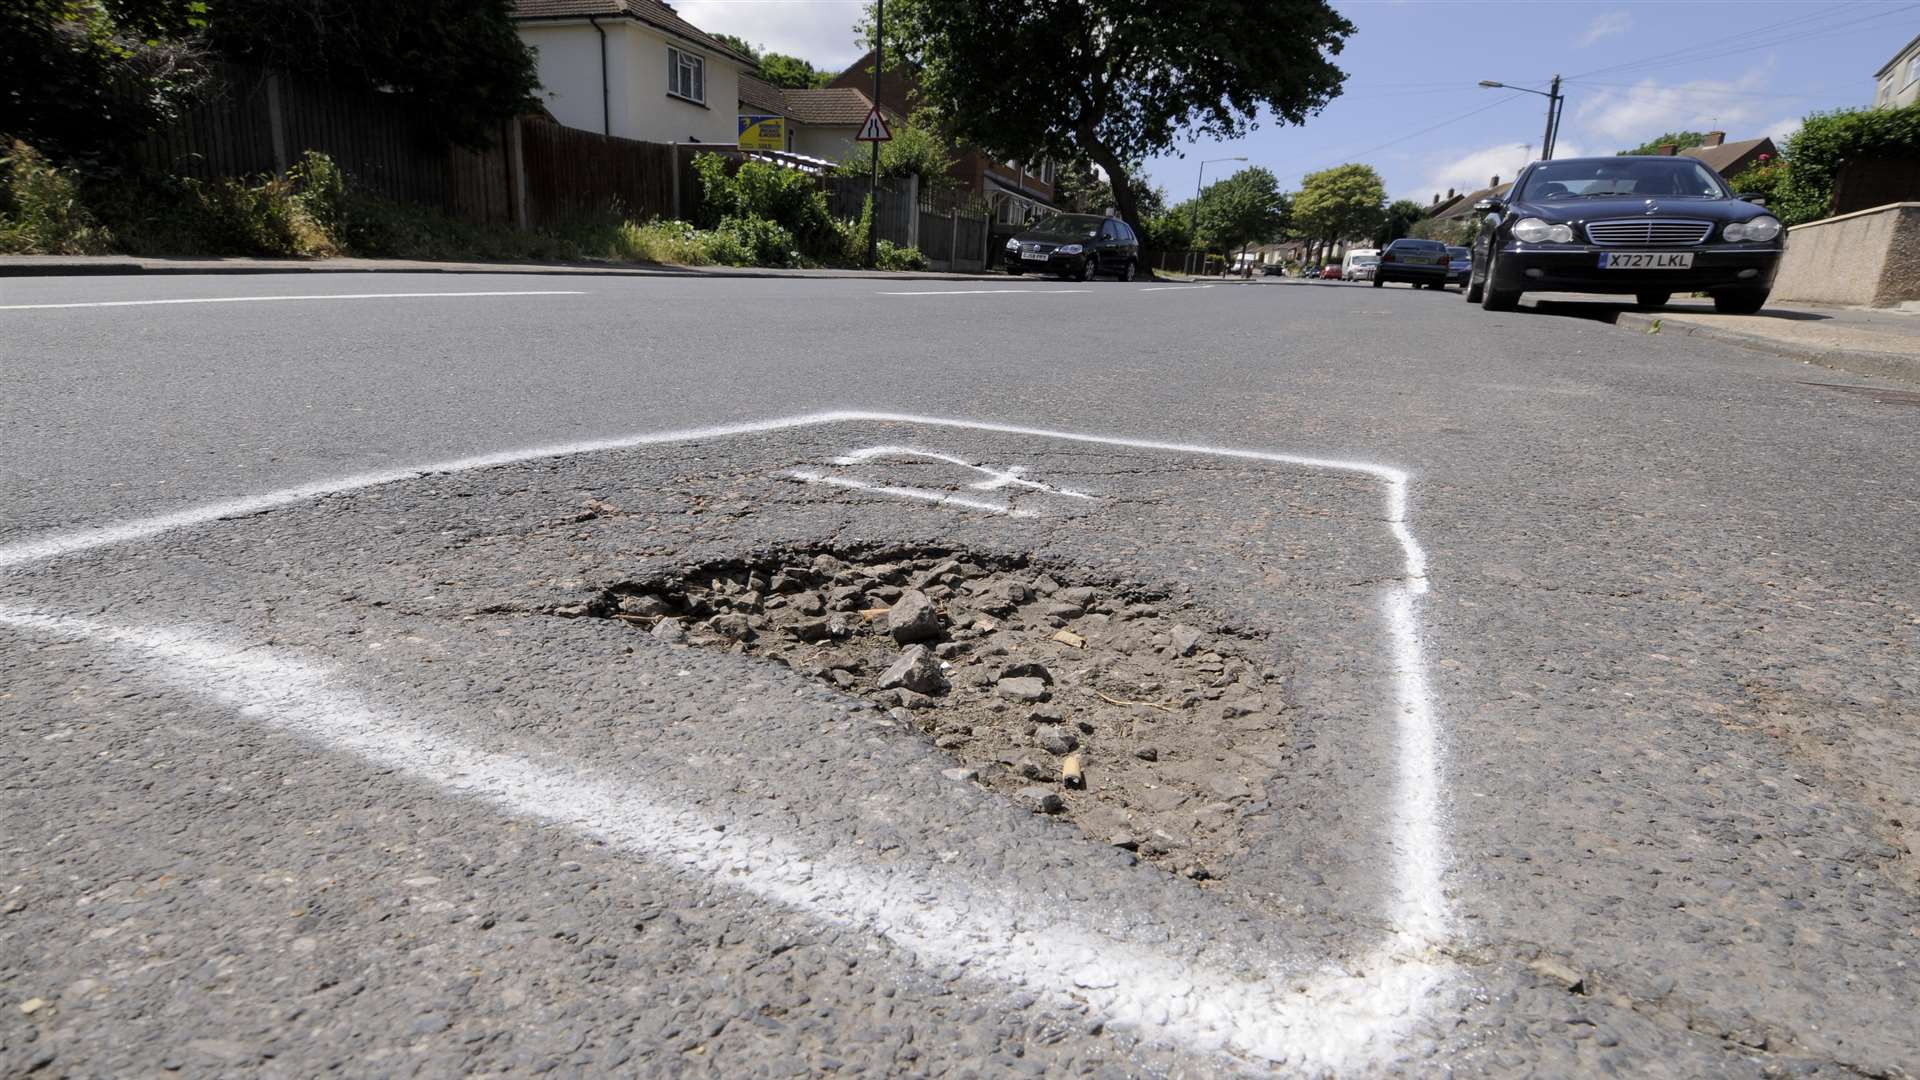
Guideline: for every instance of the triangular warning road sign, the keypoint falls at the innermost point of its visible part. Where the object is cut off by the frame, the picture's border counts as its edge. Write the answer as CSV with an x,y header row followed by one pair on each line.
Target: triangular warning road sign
x,y
875,129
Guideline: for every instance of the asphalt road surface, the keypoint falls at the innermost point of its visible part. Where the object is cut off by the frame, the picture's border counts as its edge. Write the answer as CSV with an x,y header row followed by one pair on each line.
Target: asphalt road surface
x,y
1582,664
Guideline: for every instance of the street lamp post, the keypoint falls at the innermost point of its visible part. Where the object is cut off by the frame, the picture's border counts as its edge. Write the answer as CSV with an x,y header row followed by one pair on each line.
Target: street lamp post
x,y
1198,184
1555,100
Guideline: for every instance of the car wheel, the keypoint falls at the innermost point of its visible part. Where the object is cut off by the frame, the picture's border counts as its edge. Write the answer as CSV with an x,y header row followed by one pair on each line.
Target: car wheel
x,y
1651,299
1127,270
1377,283
1743,302
1473,288
1086,271
1014,271
1496,299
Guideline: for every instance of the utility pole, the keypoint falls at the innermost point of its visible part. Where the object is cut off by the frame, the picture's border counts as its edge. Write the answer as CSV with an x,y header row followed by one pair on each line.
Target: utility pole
x,y
1553,119
873,181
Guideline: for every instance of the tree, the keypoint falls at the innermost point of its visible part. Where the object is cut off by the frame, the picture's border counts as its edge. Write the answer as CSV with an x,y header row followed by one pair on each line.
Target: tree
x,y
1076,187
1338,203
786,72
83,80
461,60
1245,208
1398,221
1116,81
1680,140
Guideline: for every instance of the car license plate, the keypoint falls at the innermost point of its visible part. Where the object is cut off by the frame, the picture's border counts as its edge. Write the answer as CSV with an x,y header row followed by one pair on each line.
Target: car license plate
x,y
1036,256
1646,260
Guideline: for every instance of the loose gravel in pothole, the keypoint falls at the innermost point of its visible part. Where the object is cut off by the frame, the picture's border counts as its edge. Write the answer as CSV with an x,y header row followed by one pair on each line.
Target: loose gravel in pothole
x,y
1070,697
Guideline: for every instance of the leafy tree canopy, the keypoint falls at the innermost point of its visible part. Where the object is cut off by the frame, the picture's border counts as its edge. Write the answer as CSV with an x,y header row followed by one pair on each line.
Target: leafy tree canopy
x,y
64,65
1398,221
1116,81
1339,203
1245,208
460,59
788,72
1679,139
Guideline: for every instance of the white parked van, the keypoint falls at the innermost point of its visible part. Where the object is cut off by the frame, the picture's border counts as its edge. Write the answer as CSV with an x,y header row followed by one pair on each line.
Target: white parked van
x,y
1359,263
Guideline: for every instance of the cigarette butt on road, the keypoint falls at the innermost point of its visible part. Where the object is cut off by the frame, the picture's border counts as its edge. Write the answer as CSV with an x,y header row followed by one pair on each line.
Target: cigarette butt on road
x,y
1070,773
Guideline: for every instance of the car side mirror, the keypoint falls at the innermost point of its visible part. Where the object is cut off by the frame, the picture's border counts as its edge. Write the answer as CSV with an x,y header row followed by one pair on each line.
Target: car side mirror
x,y
1753,197
1490,205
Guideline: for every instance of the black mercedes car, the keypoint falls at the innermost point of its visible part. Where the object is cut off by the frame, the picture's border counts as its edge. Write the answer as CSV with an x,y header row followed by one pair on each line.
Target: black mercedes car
x,y
1642,226
1076,246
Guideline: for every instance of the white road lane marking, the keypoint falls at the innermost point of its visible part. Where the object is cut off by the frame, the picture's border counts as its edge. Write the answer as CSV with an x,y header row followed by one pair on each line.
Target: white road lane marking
x,y
980,292
314,296
1398,977
1173,288
1315,1019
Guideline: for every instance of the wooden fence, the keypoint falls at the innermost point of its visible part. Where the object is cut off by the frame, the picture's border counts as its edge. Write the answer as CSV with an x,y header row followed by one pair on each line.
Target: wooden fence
x,y
536,173
255,122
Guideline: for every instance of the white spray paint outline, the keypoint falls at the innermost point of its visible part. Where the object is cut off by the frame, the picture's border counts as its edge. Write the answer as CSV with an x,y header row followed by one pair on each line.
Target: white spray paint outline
x,y
1402,972
1011,476
942,498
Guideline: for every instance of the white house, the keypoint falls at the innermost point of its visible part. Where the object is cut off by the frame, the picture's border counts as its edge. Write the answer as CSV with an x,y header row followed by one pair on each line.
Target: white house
x,y
633,68
1899,82
820,123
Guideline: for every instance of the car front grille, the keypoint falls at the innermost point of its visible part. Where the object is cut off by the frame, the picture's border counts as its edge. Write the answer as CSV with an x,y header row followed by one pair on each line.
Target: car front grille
x,y
1648,231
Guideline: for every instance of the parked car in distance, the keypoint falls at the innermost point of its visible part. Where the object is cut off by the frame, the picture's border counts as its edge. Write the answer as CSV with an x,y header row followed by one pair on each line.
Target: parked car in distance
x,y
1353,261
1272,270
1330,272
1647,227
1459,265
1416,262
1075,246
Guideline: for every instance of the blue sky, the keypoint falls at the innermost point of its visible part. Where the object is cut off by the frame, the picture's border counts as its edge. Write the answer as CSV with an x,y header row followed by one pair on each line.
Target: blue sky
x,y
1411,107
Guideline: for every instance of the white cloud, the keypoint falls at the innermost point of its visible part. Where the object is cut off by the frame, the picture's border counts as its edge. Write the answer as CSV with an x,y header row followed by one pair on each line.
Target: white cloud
x,y
819,32
1606,25
1635,114
1471,171
1781,130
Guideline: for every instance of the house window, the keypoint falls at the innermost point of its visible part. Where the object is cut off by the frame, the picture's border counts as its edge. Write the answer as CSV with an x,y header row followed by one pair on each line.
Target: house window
x,y
1913,69
686,75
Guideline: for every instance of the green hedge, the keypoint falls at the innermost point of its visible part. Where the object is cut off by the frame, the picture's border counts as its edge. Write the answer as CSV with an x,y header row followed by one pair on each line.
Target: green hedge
x,y
1828,141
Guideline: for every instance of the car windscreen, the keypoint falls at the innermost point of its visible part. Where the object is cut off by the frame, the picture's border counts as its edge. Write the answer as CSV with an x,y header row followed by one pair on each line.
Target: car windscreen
x,y
1068,225
1365,260
1663,177
1459,253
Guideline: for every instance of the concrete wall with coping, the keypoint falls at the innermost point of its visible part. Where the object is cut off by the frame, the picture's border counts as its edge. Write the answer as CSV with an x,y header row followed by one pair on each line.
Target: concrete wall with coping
x,y
1869,258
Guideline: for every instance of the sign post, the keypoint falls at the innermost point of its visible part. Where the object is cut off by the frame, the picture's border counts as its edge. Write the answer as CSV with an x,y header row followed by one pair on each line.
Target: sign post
x,y
873,180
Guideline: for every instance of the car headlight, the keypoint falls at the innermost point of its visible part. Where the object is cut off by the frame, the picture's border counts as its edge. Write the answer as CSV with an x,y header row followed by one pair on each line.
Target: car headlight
x,y
1534,231
1068,249
1763,228
1013,245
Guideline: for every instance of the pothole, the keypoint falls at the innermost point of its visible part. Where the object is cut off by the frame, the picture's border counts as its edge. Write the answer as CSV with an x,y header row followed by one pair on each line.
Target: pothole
x,y
1140,720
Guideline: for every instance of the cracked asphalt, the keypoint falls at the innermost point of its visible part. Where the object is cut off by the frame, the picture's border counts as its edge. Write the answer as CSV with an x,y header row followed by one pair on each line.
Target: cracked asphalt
x,y
329,786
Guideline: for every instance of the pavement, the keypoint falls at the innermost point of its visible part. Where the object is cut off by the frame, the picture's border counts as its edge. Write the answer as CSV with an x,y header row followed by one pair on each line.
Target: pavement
x,y
1590,748
122,265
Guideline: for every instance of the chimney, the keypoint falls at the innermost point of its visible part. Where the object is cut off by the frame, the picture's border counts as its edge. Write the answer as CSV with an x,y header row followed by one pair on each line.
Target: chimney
x,y
1715,138
1495,182
1449,193
1667,149
1436,198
